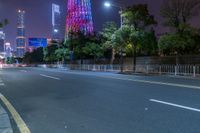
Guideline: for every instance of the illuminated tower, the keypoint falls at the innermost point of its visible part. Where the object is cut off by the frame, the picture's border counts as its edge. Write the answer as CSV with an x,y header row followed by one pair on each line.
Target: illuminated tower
x,y
20,40
79,16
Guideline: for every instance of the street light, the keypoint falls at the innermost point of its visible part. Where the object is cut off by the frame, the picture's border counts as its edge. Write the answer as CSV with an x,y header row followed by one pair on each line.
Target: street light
x,y
108,5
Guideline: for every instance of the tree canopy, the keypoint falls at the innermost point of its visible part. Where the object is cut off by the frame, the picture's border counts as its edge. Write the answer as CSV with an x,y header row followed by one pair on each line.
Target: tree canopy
x,y
179,12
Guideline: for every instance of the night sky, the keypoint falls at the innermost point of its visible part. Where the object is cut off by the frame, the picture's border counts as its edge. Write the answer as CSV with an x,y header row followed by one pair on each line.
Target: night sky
x,y
38,15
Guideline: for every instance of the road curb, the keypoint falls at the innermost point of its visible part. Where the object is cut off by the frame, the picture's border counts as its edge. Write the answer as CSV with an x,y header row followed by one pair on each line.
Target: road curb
x,y
5,125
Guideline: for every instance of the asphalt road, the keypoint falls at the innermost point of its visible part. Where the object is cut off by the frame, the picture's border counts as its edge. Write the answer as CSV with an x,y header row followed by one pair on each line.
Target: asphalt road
x,y
55,101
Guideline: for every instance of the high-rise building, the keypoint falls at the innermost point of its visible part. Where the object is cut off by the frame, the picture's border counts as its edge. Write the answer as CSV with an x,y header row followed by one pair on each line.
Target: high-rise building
x,y
79,16
8,50
21,40
2,41
56,22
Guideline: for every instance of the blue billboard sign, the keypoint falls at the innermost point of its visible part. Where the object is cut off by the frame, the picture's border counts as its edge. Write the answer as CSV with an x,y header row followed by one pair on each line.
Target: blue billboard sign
x,y
38,42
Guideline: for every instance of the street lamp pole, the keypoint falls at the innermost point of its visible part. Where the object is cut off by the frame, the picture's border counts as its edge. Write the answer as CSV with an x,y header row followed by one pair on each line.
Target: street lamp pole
x,y
108,4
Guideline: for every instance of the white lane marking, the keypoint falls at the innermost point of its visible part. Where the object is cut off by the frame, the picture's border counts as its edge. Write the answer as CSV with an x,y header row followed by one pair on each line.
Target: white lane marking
x,y
175,105
43,75
23,71
2,84
157,83
141,81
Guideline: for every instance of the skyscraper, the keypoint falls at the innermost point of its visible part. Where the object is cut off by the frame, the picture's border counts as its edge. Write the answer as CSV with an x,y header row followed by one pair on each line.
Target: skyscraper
x,y
2,41
56,22
21,40
8,50
79,16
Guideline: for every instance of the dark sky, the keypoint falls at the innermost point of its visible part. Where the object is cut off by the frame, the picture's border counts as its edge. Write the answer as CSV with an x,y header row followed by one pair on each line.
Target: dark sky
x,y
38,15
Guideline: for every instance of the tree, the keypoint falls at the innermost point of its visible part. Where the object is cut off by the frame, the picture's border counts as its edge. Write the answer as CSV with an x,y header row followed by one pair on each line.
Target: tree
x,y
79,41
109,29
138,17
49,53
34,57
93,49
176,44
140,22
120,40
10,60
149,43
178,13
4,23
76,42
62,53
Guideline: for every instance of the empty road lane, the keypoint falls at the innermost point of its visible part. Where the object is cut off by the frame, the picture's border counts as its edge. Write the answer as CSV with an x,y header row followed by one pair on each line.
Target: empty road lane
x,y
55,101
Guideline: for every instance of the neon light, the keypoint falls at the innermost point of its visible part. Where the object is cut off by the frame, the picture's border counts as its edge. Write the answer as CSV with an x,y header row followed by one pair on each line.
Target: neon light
x,y
79,16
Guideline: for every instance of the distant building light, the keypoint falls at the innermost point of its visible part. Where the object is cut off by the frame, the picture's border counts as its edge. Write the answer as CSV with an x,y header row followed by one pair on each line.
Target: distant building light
x,y
22,37
7,44
20,47
55,30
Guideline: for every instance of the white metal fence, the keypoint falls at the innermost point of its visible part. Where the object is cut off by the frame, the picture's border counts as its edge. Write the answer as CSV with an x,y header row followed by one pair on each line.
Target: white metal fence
x,y
183,70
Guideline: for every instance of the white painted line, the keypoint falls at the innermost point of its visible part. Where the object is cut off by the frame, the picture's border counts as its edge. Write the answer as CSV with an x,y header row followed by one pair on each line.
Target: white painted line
x,y
157,83
49,77
2,84
141,81
175,105
23,71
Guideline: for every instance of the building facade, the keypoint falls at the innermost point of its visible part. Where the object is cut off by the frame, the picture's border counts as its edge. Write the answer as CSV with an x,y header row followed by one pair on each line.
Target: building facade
x,y
79,17
20,40
8,50
56,22
2,41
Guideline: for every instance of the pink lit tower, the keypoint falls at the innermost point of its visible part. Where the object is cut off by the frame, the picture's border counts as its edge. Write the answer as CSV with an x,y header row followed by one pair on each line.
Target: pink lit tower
x,y
79,17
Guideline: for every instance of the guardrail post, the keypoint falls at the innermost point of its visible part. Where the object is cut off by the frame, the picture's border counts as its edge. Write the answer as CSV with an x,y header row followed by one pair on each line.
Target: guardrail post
x,y
160,70
175,70
194,71
147,69
94,69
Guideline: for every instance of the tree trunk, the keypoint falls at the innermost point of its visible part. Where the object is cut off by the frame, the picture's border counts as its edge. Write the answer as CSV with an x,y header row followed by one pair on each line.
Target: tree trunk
x,y
94,60
122,61
113,56
134,59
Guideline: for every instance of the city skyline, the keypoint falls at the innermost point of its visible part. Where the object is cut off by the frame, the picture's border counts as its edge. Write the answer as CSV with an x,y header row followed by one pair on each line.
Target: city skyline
x,y
99,66
38,16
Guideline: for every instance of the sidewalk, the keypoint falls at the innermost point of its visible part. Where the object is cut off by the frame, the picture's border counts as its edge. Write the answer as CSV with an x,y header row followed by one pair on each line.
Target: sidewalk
x,y
5,126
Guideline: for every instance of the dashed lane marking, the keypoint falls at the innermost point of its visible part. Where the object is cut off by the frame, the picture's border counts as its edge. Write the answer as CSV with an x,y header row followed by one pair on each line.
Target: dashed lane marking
x,y
156,83
47,76
23,71
175,105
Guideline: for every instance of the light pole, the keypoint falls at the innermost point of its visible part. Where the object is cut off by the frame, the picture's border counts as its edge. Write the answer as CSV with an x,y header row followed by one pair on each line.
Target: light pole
x,y
108,5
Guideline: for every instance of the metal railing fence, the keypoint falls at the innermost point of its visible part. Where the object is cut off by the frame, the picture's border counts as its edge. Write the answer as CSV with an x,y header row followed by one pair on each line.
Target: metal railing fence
x,y
183,70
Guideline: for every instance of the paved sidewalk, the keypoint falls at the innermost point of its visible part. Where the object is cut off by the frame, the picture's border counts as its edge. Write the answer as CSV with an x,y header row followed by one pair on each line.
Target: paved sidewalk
x,y
5,126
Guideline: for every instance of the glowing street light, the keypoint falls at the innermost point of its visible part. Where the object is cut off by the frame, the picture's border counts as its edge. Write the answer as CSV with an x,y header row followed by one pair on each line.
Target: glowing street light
x,y
107,4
